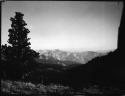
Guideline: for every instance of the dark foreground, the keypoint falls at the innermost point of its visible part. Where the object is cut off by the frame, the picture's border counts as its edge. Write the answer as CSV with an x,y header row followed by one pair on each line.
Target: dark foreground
x,y
18,88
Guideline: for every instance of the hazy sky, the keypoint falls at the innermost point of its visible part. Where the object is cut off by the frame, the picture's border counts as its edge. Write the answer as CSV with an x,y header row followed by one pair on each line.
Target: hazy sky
x,y
67,25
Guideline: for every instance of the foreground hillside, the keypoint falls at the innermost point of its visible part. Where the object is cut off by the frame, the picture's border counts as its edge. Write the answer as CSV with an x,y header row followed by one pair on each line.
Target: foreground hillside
x,y
18,88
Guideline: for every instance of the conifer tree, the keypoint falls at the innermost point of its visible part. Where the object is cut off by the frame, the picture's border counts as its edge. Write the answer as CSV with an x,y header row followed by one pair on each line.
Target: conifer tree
x,y
18,39
18,54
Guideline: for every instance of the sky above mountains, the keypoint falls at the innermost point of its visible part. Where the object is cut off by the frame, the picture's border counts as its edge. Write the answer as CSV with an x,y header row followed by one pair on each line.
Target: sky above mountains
x,y
67,25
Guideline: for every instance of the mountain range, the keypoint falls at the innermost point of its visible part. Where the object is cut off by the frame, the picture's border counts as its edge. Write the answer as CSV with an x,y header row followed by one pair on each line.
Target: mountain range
x,y
66,57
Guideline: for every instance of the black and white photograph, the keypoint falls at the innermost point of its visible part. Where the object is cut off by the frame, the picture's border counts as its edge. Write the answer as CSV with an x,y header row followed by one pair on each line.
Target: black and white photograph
x,y
62,48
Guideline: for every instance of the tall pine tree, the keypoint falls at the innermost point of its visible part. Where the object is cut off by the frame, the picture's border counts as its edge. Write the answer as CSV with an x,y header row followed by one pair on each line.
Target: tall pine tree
x,y
19,55
18,39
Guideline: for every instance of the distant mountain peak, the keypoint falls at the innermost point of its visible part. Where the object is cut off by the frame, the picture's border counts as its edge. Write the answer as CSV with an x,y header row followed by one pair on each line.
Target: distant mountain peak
x,y
68,56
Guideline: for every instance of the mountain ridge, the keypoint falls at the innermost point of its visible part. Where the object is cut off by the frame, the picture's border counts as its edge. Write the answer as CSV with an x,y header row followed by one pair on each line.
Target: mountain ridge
x,y
78,57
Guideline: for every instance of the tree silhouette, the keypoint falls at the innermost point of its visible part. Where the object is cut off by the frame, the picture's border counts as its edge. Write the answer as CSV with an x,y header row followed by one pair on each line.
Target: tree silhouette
x,y
19,55
18,38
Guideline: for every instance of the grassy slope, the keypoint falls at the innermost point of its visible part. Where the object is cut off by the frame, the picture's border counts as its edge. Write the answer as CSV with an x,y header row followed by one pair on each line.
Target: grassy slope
x,y
18,88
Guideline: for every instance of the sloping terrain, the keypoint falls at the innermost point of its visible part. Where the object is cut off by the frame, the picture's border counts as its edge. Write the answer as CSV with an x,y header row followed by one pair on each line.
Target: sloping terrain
x,y
107,70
